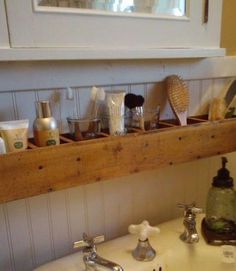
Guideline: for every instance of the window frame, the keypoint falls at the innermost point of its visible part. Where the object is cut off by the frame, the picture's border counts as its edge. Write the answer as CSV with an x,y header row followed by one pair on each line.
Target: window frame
x,y
102,35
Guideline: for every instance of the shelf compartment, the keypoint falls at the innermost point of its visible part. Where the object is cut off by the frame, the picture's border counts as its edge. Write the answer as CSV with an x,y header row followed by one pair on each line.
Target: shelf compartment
x,y
42,170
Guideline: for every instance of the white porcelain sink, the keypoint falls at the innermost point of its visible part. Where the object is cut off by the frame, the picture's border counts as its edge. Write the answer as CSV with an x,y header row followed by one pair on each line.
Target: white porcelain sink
x,y
172,253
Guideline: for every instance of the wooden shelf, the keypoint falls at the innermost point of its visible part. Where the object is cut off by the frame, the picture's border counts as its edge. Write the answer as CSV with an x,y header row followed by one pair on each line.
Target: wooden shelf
x,y
42,170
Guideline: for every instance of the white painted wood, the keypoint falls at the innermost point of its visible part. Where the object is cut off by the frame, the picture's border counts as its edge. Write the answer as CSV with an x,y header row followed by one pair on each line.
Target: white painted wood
x,y
52,27
155,193
76,205
59,222
194,88
85,103
95,209
5,252
218,87
25,106
206,96
41,231
6,107
20,237
124,88
138,89
125,205
53,75
139,195
231,158
108,54
4,39
176,189
156,95
112,206
204,180
68,108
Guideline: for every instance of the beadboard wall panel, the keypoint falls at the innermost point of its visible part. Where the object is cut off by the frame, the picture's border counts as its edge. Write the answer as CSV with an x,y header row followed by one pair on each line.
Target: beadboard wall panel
x,y
5,255
21,236
61,74
77,213
42,228
6,107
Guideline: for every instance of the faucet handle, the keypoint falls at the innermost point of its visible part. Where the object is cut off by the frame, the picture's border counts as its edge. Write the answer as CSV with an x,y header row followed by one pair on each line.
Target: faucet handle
x,y
190,209
89,241
144,230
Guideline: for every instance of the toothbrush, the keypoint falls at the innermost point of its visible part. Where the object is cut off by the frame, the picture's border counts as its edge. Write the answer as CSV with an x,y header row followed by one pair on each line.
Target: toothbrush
x,y
97,96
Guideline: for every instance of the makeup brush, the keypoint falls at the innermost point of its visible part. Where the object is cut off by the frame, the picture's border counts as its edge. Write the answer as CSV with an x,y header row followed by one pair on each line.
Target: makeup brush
x,y
130,100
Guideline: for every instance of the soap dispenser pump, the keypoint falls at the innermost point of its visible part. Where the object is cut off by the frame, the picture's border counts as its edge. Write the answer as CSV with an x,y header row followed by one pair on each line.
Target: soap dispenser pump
x,y
144,251
219,225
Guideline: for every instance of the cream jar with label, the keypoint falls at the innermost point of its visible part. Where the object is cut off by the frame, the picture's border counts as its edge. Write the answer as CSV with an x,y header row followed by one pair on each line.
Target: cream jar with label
x,y
14,134
45,128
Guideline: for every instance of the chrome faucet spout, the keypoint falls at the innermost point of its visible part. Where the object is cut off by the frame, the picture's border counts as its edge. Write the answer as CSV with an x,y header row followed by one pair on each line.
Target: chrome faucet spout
x,y
92,260
190,234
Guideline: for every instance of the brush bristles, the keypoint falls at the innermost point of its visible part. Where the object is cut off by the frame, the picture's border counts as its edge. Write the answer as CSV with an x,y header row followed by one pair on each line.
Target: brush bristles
x,y
177,93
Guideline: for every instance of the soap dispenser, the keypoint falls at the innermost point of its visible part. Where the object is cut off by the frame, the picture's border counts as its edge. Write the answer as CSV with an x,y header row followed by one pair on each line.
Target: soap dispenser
x,y
219,225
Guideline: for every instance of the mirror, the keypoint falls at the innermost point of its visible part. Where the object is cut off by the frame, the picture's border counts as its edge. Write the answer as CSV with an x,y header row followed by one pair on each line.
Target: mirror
x,y
155,7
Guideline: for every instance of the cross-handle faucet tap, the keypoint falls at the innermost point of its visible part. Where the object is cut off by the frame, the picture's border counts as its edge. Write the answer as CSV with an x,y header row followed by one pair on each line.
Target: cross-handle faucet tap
x,y
91,259
190,234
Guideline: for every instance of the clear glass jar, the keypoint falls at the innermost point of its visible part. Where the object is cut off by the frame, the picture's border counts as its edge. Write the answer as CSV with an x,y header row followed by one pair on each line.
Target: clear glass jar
x,y
221,209
221,203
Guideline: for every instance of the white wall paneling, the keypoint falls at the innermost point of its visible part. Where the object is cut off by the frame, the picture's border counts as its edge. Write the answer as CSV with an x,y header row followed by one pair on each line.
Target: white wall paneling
x,y
20,234
7,110
59,74
4,39
21,104
6,254
42,228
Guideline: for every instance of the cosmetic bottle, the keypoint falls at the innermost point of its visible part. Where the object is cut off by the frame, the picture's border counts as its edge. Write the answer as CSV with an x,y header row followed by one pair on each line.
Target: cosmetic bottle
x,y
45,128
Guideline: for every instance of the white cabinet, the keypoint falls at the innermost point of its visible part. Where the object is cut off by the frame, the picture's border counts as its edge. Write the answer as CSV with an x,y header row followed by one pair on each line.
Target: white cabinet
x,y
73,33
4,40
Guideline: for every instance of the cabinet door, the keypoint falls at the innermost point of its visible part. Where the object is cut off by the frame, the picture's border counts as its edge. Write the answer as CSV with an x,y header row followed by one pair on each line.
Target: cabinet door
x,y
32,25
4,40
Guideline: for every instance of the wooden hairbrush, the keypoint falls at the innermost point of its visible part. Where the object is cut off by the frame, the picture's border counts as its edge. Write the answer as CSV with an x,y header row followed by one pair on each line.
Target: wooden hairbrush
x,y
178,96
220,106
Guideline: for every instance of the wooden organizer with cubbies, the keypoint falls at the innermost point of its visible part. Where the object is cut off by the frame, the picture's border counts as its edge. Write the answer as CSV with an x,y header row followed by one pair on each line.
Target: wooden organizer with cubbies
x,y
40,170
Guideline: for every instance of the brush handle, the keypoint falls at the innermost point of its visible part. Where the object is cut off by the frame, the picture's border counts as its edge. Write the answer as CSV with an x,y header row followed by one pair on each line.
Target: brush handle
x,y
182,117
217,109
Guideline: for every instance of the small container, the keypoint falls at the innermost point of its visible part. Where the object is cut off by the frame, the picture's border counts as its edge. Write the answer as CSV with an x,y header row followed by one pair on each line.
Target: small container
x,y
147,119
45,128
151,118
116,112
15,135
82,129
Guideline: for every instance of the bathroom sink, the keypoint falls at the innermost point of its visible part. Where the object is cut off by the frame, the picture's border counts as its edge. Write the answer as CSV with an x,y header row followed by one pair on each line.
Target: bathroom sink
x,y
172,253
